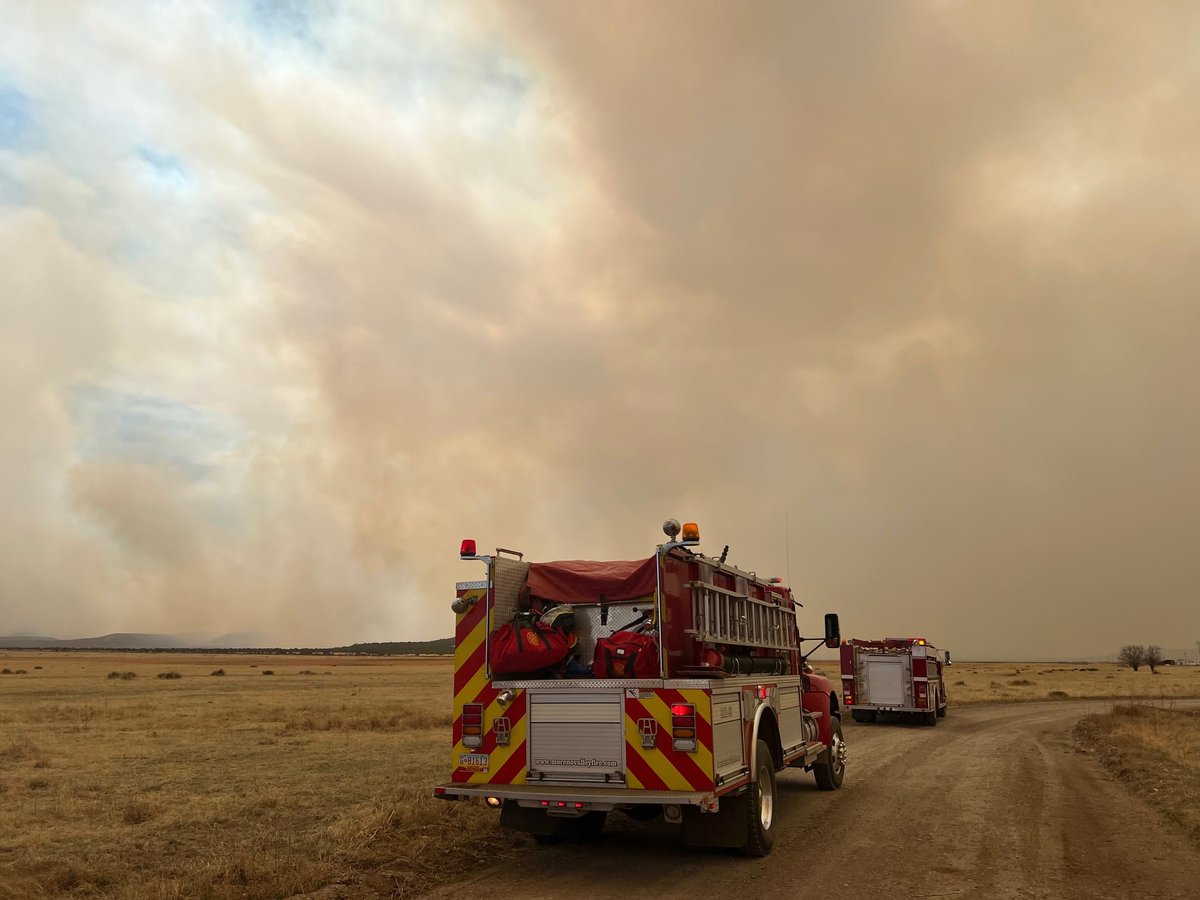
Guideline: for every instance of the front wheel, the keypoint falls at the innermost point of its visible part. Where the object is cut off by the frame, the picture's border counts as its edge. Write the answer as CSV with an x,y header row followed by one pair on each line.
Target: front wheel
x,y
830,769
760,805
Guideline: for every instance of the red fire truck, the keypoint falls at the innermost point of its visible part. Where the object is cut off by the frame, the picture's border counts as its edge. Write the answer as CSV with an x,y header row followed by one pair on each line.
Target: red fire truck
x,y
685,692
894,675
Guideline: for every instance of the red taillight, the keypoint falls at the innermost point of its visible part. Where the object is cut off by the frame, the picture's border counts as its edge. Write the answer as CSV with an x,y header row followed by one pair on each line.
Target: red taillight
x,y
683,726
472,724
467,549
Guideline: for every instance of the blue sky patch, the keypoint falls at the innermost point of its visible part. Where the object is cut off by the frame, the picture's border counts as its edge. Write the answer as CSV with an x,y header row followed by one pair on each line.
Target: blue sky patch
x,y
164,166
290,20
16,117
149,428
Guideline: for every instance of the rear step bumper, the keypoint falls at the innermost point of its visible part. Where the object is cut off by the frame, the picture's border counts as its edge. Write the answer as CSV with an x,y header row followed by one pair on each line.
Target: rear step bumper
x,y
599,799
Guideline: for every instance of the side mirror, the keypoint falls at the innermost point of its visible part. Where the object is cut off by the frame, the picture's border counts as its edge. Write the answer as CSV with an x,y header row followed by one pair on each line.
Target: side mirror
x,y
833,632
947,657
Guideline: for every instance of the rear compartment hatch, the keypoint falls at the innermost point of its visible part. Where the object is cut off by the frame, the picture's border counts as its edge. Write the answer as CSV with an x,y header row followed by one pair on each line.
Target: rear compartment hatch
x,y
887,678
577,736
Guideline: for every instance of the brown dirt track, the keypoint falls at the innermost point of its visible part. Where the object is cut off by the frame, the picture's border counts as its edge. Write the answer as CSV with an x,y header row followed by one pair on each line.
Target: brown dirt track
x,y
996,801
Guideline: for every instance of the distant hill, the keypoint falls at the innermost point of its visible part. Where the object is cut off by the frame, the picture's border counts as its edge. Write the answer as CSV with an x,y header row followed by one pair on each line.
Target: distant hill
x,y
227,642
136,641
401,648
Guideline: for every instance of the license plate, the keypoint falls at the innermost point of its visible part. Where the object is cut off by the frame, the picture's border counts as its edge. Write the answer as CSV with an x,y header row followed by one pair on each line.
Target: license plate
x,y
473,762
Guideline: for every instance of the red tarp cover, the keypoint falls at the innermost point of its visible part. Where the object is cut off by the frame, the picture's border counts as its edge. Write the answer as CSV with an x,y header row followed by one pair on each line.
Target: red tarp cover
x,y
583,581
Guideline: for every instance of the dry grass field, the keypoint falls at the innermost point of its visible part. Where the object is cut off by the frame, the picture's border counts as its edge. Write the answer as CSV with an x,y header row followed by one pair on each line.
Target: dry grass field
x,y
251,784
968,682
242,785
1155,749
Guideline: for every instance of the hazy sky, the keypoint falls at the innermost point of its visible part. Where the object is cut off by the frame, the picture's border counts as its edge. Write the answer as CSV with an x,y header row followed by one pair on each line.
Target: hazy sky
x,y
293,296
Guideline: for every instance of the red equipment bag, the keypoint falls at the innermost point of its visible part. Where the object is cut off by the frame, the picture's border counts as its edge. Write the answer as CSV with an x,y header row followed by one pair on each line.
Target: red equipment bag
x,y
626,654
522,647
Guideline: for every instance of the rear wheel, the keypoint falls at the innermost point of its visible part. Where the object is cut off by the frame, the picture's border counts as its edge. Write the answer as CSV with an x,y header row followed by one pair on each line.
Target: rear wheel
x,y
930,718
760,805
830,769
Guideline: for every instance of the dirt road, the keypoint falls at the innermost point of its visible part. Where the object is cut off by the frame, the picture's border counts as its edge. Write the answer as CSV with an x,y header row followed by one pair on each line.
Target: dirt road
x,y
996,801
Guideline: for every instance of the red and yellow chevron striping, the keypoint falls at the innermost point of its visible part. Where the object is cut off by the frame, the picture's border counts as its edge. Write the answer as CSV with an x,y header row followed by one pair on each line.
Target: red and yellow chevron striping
x,y
661,767
491,763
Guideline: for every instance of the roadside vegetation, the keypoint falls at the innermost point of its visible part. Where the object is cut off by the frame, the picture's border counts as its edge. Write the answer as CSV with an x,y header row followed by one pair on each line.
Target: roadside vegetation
x,y
1154,749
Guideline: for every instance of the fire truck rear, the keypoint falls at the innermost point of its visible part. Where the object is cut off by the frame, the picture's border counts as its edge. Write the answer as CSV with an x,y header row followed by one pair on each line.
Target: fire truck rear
x,y
894,675
698,739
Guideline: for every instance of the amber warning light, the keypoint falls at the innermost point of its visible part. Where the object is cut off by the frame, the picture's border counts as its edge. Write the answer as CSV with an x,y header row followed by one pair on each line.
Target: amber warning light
x,y
467,549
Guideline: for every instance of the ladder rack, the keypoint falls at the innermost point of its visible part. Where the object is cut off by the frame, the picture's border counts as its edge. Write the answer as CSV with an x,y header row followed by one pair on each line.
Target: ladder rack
x,y
722,616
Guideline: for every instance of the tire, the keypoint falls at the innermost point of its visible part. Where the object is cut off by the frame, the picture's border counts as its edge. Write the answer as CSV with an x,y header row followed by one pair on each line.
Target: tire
x,y
762,799
830,769
930,718
942,711
859,715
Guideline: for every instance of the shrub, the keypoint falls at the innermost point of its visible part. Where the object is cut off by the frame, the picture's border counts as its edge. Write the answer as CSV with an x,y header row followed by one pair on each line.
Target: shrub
x,y
6,671
268,672
1058,695
169,675
1021,682
219,672
124,676
20,672
38,784
137,812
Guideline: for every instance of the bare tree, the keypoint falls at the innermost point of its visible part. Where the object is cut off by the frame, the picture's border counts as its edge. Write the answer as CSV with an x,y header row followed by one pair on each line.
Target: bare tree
x,y
1154,656
1132,655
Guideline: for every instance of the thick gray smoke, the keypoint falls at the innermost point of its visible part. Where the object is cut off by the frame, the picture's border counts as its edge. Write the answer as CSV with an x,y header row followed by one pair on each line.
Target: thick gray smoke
x,y
918,280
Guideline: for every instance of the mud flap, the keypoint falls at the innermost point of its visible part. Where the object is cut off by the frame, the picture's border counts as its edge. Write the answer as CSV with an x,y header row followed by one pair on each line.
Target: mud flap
x,y
724,828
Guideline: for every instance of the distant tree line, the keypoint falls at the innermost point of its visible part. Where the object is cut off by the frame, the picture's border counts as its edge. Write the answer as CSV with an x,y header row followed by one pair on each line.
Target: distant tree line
x,y
1136,655
441,646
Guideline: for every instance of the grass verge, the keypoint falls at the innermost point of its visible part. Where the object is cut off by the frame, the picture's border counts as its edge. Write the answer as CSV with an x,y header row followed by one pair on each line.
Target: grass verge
x,y
1155,751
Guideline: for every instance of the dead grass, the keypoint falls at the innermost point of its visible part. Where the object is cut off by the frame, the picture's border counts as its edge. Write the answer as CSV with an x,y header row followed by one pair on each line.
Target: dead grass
x,y
228,787
251,787
1155,750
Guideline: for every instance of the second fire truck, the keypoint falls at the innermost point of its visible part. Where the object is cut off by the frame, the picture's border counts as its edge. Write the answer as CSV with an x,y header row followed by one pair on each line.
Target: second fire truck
x,y
894,676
